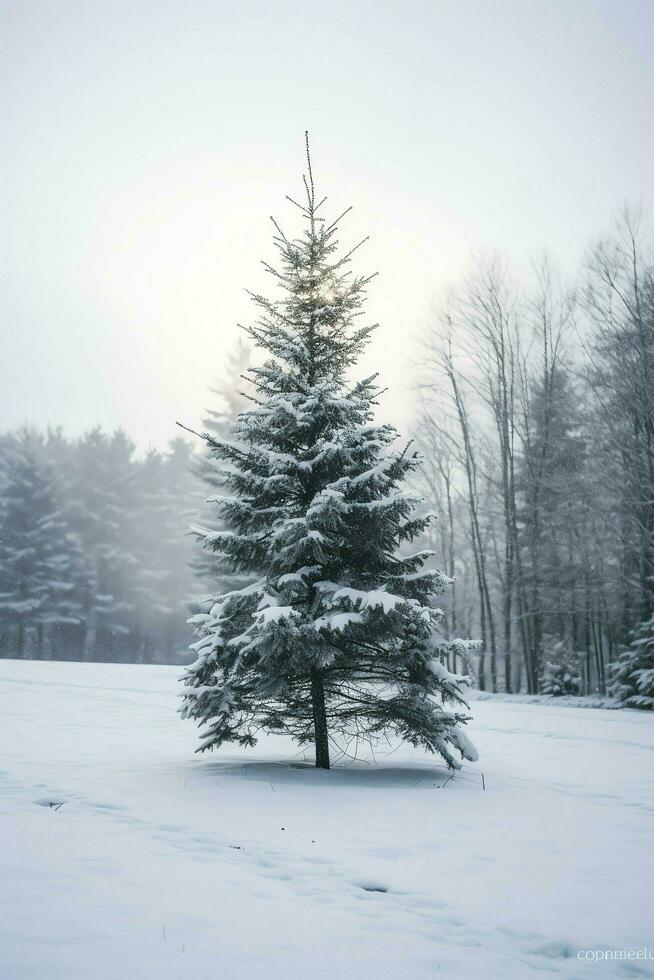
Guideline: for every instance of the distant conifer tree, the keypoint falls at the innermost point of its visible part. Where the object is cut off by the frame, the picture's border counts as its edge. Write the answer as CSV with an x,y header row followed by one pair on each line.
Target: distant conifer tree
x,y
633,672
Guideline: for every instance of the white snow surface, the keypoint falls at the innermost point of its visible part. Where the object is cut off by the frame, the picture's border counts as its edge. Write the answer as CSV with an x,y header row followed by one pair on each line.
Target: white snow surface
x,y
125,855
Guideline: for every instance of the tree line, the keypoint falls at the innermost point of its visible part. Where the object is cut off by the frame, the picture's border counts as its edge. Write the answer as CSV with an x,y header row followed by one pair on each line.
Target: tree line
x,y
97,561
93,557
537,429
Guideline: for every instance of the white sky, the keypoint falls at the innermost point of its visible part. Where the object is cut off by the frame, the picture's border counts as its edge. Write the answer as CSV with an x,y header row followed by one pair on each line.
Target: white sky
x,y
144,145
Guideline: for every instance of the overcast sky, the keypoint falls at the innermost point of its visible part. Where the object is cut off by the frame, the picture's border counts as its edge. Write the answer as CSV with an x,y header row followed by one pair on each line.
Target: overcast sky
x,y
144,145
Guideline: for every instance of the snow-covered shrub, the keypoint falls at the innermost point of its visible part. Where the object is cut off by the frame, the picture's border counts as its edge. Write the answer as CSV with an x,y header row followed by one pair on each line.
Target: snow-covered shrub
x,y
562,671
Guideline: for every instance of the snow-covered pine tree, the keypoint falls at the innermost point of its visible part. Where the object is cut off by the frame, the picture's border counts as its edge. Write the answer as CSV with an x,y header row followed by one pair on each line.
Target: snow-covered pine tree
x,y
105,499
562,671
338,635
633,672
40,561
69,633
219,422
182,493
228,391
161,579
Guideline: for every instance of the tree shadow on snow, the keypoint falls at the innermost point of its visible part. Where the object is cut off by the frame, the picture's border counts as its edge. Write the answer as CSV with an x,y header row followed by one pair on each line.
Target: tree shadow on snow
x,y
354,775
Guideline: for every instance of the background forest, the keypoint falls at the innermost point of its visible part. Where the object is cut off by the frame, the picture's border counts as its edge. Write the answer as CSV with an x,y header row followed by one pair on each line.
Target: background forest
x,y
535,418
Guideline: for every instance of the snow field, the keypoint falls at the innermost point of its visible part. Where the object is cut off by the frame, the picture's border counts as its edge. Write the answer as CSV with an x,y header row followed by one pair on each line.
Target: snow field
x,y
124,855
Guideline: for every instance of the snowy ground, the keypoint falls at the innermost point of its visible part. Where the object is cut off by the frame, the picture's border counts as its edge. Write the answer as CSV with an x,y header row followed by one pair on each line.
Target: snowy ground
x,y
125,856
567,700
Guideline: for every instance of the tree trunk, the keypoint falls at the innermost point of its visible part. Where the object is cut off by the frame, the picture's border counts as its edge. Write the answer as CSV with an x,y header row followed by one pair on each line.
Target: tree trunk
x,y
39,641
477,540
20,639
450,572
319,721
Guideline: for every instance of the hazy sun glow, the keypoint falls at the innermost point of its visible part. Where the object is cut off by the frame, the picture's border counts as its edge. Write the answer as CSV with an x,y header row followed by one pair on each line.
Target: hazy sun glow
x,y
145,148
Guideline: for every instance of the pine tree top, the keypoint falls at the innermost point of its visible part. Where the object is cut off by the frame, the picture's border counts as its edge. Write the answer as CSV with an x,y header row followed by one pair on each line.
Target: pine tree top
x,y
313,326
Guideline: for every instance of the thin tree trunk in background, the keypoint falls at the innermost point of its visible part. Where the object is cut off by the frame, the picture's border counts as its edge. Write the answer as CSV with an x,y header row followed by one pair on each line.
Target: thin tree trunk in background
x,y
599,654
482,618
587,640
20,639
478,543
512,531
450,518
39,641
525,635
